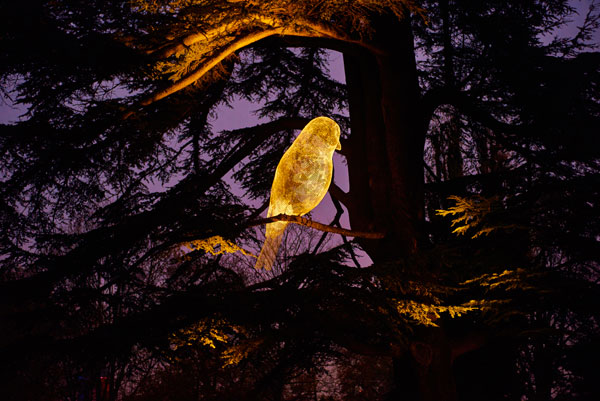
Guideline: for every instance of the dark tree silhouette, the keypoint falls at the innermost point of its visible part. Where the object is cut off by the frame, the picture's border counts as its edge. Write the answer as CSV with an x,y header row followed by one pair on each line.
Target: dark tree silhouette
x,y
119,220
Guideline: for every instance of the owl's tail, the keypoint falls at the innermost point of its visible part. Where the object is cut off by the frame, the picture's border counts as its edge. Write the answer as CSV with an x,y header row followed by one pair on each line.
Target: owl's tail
x,y
273,239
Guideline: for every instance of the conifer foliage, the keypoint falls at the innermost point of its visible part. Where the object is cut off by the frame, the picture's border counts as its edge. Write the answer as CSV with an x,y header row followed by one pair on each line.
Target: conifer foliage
x,y
470,136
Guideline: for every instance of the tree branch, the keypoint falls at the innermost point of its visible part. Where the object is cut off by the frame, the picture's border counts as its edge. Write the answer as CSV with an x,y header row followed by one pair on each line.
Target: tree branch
x,y
337,193
307,29
334,222
430,171
343,46
465,104
317,226
189,79
322,32
172,48
340,211
256,136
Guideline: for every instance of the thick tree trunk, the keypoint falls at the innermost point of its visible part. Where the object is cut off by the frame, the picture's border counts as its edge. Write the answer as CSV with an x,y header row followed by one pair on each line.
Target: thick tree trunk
x,y
386,147
385,165
424,373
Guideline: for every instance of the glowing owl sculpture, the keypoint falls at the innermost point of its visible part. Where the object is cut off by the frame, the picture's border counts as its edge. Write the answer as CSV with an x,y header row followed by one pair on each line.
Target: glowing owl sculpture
x,y
301,180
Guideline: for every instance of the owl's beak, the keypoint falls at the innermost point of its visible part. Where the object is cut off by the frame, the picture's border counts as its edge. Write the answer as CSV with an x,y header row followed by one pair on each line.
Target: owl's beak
x,y
338,146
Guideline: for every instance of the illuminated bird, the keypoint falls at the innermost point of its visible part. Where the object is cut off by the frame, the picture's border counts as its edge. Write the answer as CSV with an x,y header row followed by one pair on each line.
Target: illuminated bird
x,y
301,180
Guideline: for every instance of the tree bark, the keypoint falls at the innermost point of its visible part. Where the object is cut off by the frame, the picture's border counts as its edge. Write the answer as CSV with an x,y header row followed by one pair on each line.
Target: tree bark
x,y
385,163
386,146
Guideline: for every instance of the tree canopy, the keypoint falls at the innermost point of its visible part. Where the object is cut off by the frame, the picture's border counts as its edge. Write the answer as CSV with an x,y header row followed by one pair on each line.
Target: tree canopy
x,y
470,138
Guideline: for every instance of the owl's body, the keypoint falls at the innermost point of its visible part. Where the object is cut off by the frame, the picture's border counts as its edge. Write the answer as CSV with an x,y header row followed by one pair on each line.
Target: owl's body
x,y
301,180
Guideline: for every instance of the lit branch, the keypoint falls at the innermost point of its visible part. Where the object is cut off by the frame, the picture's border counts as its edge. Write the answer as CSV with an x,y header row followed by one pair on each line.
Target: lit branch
x,y
210,64
304,28
174,48
318,226
309,29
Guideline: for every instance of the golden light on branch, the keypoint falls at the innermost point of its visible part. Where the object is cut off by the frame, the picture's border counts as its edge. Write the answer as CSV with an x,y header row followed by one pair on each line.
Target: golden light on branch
x,y
229,340
230,30
206,332
238,352
426,314
193,41
217,245
301,180
470,214
211,60
210,63
507,280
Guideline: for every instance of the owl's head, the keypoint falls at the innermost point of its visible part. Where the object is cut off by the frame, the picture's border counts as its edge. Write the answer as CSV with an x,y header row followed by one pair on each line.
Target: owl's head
x,y
324,129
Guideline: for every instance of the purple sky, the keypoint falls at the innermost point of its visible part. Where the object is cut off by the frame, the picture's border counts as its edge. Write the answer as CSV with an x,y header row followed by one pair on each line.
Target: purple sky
x,y
242,115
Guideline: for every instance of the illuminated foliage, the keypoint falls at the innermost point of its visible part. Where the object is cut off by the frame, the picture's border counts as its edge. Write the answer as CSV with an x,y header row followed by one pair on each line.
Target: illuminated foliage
x,y
235,353
507,280
471,215
230,341
217,245
426,303
195,41
206,332
427,314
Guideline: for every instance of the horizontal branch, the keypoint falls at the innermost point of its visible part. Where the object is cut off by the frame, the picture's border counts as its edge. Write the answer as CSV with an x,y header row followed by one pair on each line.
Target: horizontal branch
x,y
191,39
253,138
283,123
321,30
317,226
346,46
306,29
211,63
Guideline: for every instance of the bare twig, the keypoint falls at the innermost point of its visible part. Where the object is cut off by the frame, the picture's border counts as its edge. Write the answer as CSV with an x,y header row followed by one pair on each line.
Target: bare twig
x,y
340,211
337,193
334,223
